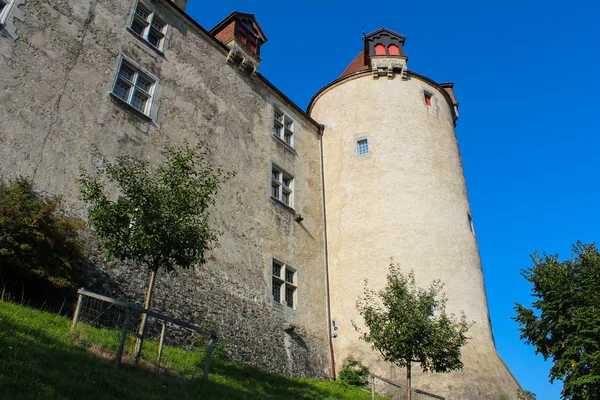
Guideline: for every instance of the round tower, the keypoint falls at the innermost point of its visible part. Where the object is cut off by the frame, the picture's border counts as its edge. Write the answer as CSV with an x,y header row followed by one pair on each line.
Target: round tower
x,y
395,189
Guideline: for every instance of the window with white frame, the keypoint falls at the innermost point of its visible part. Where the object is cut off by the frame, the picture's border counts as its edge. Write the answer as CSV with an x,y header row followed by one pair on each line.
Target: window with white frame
x,y
362,146
5,6
134,87
282,186
284,284
283,127
149,26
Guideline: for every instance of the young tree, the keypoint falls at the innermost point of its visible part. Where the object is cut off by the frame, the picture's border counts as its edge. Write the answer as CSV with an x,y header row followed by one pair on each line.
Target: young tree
x,y
160,218
407,324
39,243
564,322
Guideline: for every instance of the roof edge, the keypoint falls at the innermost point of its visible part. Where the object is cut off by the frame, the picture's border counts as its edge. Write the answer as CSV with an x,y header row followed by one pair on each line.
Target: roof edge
x,y
368,72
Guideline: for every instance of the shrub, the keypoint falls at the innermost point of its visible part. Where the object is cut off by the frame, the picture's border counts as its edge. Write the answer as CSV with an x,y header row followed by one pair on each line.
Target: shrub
x,y
39,245
354,373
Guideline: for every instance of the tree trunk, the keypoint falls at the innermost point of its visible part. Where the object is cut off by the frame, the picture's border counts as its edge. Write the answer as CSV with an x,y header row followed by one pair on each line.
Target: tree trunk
x,y
408,383
142,329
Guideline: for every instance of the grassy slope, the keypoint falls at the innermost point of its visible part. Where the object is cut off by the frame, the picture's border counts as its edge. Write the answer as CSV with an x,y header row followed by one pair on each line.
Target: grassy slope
x,y
39,359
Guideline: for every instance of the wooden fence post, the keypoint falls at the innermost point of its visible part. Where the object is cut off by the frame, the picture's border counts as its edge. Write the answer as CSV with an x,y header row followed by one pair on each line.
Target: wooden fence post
x,y
373,387
161,343
209,350
77,311
123,338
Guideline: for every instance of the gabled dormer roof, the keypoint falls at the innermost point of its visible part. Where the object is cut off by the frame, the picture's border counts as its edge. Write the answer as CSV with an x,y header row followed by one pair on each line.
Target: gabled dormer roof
x,y
386,38
244,18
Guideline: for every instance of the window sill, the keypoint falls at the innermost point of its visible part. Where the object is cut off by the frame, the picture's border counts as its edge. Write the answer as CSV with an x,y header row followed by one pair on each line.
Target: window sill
x,y
281,203
283,307
146,43
130,108
284,144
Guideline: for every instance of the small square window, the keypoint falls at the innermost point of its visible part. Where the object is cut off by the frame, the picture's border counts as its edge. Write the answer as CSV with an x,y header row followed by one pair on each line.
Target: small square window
x,y
283,127
362,146
281,186
134,87
283,284
149,26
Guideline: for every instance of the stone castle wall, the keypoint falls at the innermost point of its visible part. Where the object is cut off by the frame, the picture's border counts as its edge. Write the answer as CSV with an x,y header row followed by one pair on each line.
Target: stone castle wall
x,y
58,117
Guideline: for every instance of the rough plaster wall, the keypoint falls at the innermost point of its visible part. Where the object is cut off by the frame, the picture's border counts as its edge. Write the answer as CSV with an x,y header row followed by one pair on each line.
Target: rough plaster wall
x,y
57,117
405,199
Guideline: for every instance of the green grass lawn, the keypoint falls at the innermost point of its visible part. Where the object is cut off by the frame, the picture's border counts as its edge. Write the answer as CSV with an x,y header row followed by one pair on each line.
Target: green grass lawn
x,y
40,359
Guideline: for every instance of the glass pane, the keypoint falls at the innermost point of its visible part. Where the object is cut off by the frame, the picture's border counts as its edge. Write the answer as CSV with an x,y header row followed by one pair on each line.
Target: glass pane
x,y
145,84
139,101
276,175
275,191
138,27
154,39
289,275
142,12
285,197
277,269
278,116
288,124
277,290
289,296
158,24
363,146
122,89
288,137
126,72
287,181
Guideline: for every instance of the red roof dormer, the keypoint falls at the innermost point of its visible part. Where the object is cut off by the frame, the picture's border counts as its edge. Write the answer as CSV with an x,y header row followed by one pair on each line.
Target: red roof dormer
x,y
241,28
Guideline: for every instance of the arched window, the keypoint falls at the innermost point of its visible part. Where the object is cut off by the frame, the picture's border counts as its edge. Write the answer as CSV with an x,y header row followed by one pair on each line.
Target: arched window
x,y
393,50
380,50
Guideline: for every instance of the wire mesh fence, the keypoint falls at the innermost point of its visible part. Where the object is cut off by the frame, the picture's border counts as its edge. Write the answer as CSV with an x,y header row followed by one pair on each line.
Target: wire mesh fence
x,y
399,391
111,328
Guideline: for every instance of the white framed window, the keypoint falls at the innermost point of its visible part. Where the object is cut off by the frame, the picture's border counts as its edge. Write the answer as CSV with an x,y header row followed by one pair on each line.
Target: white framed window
x,y
283,127
430,102
282,186
134,87
362,146
149,26
5,7
284,284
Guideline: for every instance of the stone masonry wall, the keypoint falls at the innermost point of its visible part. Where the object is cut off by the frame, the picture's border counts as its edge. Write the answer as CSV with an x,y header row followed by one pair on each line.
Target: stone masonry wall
x,y
57,117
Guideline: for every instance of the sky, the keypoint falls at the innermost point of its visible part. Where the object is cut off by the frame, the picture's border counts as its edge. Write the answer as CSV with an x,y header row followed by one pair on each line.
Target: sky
x,y
526,80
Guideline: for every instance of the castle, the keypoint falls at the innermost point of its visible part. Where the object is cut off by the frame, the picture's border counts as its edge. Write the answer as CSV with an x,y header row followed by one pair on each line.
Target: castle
x,y
321,198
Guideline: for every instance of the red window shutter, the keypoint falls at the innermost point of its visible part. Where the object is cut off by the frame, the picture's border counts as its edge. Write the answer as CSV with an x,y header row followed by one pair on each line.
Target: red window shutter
x,y
393,50
380,50
428,99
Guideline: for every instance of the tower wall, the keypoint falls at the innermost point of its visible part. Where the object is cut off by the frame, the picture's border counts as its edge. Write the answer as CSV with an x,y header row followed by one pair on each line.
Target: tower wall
x,y
406,199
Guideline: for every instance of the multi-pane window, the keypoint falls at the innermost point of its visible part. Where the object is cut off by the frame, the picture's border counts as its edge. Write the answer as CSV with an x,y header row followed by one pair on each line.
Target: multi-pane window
x,y
149,26
283,127
246,35
134,87
362,146
284,284
5,6
281,186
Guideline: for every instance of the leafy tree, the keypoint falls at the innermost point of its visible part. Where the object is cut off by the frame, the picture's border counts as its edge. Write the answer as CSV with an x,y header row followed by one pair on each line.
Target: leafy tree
x,y
408,324
160,218
38,242
525,395
564,322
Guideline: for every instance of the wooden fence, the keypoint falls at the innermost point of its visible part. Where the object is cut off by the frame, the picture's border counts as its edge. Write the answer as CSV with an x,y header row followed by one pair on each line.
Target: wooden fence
x,y
134,308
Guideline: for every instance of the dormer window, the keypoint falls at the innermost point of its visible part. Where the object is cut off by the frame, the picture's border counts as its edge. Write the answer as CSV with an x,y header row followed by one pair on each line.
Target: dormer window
x,y
380,50
245,35
393,50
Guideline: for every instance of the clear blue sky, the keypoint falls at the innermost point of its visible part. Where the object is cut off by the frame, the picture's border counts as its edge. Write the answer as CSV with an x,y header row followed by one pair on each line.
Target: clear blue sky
x,y
526,80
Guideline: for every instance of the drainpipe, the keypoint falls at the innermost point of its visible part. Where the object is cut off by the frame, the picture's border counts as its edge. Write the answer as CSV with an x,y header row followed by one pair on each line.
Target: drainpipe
x,y
331,355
